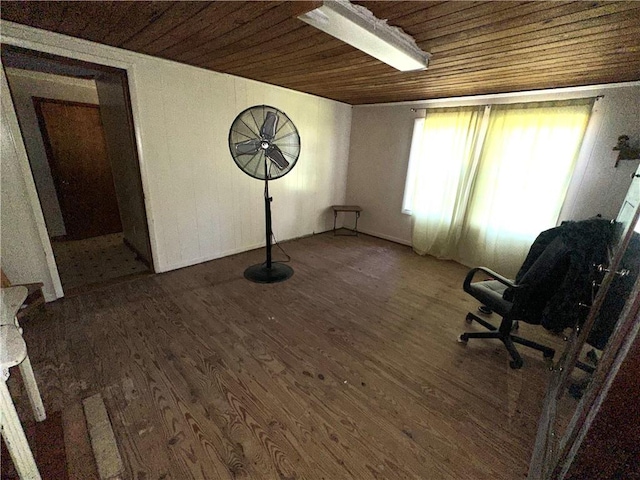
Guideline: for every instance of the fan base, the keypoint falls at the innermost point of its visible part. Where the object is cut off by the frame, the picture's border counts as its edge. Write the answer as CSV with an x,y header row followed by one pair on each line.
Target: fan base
x,y
261,274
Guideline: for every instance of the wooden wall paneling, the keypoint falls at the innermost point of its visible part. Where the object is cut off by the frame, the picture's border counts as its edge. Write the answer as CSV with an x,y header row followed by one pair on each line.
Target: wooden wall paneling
x,y
238,181
329,141
183,104
117,120
294,194
247,197
157,171
226,220
205,187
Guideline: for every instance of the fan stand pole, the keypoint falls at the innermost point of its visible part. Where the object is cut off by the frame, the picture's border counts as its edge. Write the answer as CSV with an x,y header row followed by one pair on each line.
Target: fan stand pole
x,y
267,222
268,272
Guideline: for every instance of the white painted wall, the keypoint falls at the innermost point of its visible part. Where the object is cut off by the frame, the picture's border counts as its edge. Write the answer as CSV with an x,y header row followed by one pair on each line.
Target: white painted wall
x,y
25,85
200,206
121,148
381,138
25,251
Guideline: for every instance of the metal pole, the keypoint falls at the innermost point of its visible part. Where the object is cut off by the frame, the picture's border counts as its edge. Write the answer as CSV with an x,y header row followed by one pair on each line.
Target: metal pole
x,y
267,213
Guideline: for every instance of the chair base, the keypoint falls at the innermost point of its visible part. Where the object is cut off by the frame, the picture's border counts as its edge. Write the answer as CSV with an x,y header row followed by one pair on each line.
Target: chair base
x,y
503,333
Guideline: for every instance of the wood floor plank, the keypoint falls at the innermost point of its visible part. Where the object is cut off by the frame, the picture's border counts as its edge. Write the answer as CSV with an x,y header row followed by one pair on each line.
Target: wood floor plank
x,y
350,369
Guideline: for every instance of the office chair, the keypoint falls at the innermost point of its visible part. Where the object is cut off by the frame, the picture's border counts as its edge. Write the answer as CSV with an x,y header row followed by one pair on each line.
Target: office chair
x,y
490,294
552,288
524,299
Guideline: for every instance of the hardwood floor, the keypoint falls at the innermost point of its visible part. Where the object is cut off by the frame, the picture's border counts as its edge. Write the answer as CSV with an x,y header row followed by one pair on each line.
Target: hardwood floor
x,y
350,369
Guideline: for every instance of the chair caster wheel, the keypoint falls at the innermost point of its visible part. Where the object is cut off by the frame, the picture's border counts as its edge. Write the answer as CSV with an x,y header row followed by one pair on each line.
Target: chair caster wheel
x,y
548,355
515,364
484,309
463,339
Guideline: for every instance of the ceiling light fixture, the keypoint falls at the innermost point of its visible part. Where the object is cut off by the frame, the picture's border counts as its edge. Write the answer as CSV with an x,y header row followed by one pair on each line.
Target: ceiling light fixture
x,y
357,26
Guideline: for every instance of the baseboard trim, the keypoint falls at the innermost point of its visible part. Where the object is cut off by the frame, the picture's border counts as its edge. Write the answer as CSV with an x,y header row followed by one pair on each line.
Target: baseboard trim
x,y
386,237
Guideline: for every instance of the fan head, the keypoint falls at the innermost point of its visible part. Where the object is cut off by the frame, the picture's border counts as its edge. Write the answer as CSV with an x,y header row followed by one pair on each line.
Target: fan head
x,y
264,142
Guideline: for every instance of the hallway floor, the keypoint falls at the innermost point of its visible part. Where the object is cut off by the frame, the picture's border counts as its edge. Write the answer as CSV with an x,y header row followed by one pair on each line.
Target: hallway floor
x,y
95,260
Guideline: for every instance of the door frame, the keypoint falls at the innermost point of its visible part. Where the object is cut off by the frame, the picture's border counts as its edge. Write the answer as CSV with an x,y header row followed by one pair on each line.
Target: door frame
x,y
72,51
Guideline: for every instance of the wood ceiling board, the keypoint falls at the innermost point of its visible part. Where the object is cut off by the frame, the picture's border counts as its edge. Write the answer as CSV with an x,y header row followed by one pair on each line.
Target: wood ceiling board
x,y
567,18
559,47
184,30
136,18
177,14
479,47
234,38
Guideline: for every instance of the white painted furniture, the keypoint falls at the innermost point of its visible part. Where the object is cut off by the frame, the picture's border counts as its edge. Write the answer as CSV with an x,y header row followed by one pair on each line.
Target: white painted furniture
x,y
13,351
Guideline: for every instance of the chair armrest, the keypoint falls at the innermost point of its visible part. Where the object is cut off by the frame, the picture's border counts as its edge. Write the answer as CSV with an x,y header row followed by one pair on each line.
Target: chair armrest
x,y
492,274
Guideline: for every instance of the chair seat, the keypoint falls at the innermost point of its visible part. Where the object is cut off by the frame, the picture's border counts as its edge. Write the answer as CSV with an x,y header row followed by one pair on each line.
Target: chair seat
x,y
490,294
13,349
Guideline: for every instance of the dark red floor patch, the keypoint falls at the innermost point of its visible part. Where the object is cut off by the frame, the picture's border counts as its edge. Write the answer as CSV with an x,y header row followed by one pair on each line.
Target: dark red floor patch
x,y
47,444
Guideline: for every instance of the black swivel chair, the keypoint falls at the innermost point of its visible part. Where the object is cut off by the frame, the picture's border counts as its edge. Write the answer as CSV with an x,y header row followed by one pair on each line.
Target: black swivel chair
x,y
523,300
490,293
552,288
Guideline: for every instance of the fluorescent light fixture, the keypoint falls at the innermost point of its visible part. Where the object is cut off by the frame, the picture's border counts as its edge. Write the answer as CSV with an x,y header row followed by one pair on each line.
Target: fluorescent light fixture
x,y
357,26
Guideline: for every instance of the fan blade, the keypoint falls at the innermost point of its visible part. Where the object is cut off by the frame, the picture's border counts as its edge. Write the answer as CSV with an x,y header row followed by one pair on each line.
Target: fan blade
x,y
268,129
274,153
248,147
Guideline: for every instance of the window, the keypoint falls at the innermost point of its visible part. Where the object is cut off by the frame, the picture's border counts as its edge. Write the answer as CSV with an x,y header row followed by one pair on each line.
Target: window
x,y
484,182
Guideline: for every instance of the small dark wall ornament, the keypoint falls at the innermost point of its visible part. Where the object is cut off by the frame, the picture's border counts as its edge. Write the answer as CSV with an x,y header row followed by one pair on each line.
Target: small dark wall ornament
x,y
626,151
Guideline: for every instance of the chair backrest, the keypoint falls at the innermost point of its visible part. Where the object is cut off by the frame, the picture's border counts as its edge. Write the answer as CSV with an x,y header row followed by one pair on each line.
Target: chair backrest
x,y
541,280
559,271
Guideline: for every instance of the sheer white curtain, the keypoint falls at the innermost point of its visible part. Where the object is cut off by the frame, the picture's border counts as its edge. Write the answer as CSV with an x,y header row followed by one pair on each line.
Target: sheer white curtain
x,y
483,183
523,174
441,164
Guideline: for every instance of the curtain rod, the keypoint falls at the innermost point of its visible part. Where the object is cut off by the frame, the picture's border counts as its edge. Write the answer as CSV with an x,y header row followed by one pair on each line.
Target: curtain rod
x,y
413,109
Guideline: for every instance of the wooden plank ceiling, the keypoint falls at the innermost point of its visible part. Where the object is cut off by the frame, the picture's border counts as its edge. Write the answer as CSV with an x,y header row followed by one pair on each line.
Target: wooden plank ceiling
x,y
477,47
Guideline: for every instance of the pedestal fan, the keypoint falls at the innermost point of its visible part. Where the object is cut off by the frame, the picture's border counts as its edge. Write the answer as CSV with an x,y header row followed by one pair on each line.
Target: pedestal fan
x,y
265,145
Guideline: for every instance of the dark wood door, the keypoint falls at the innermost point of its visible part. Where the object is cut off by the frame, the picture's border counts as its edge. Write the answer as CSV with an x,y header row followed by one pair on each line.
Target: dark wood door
x,y
75,143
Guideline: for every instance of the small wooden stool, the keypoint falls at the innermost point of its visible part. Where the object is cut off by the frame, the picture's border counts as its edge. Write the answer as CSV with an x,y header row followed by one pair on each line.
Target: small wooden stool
x,y
346,208
13,351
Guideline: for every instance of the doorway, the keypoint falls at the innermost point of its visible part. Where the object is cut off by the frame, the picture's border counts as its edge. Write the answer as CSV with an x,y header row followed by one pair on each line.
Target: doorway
x,y
76,122
77,153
